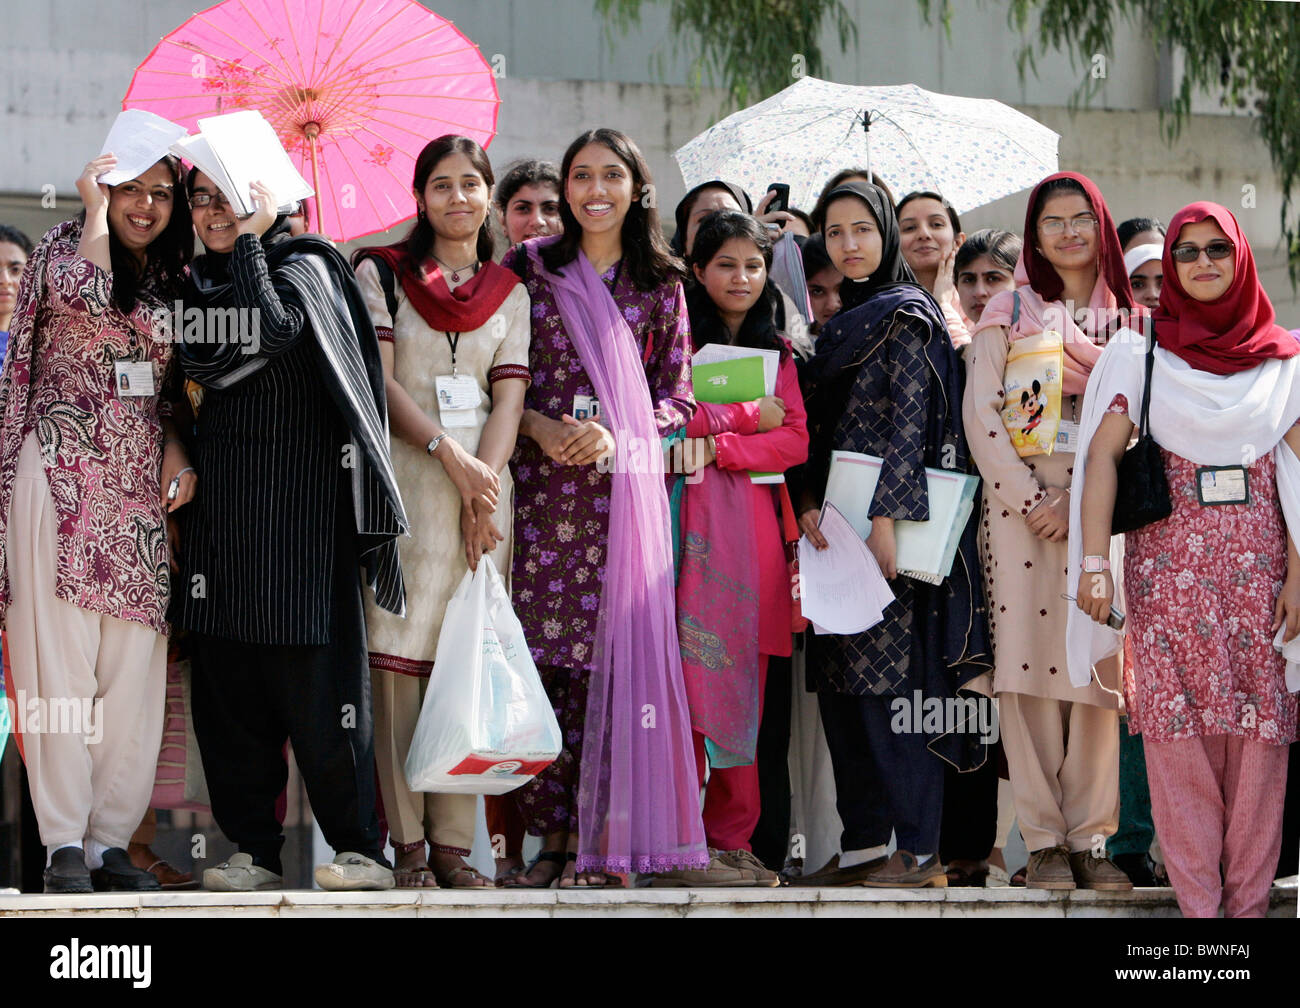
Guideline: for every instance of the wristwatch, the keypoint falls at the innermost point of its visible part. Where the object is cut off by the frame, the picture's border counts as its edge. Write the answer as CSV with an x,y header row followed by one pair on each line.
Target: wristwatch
x,y
432,446
1095,564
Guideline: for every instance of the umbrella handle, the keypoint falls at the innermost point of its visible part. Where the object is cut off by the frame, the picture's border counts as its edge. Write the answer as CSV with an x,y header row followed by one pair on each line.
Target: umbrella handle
x,y
312,131
866,137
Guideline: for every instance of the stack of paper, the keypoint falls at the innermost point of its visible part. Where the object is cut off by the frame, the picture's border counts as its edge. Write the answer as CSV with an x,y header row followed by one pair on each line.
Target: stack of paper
x,y
731,374
841,588
926,550
241,148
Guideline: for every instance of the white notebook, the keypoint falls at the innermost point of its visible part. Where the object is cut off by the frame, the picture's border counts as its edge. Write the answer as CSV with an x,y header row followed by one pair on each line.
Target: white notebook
x,y
926,550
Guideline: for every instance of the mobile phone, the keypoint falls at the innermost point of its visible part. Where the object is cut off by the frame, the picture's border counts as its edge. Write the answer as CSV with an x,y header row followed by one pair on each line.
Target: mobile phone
x,y
782,200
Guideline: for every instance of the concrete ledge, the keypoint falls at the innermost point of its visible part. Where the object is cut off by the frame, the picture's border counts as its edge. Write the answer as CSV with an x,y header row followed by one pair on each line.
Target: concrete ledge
x,y
852,901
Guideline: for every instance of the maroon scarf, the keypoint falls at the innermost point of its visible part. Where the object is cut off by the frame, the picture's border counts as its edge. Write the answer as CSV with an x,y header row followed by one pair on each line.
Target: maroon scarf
x,y
1235,333
464,309
1110,256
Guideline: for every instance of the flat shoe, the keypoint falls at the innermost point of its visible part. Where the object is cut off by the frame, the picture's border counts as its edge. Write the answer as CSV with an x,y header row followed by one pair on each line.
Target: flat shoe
x,y
67,872
239,874
119,875
353,872
831,874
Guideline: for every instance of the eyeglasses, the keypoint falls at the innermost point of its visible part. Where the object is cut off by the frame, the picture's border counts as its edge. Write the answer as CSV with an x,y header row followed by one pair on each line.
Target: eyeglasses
x,y
1218,249
202,199
1083,224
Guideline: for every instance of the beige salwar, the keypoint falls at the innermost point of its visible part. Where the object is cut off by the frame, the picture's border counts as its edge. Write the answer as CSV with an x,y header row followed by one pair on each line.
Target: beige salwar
x,y
1058,753
397,699
88,690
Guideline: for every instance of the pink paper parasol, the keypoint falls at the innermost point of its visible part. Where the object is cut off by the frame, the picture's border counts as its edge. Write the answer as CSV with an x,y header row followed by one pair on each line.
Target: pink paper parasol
x,y
354,88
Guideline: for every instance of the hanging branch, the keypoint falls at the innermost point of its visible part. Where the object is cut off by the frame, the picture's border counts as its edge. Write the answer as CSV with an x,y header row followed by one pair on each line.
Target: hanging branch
x,y
753,48
1240,48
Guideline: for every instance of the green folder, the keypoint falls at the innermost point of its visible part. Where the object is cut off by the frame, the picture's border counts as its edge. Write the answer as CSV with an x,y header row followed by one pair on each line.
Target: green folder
x,y
733,381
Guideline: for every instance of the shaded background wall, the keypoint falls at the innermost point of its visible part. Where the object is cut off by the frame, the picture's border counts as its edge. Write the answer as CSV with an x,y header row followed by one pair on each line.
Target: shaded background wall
x,y
65,64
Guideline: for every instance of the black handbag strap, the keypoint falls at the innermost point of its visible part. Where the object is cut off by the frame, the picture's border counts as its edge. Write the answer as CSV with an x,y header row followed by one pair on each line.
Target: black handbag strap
x,y
1015,308
1143,423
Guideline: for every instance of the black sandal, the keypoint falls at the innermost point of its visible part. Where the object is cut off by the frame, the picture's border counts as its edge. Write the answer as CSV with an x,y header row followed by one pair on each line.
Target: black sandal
x,y
520,881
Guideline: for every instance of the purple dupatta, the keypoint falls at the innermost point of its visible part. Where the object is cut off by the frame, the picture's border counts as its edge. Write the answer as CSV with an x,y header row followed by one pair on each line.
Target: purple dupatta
x,y
638,794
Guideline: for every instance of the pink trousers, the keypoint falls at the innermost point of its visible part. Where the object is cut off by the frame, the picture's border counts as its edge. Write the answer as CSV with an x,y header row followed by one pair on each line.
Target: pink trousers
x,y
1217,801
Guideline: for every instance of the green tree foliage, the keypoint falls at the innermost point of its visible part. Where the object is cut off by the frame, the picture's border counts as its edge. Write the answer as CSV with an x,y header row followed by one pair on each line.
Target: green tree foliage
x,y
753,48
1248,50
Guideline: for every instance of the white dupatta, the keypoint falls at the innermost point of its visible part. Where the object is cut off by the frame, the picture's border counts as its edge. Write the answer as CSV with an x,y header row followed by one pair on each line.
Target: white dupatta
x,y
1205,418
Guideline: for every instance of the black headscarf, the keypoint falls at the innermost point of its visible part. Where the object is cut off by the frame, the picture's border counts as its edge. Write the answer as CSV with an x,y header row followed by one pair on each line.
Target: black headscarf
x,y
893,267
688,201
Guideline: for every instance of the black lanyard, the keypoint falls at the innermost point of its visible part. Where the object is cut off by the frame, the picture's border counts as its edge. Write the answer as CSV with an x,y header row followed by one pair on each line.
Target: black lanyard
x,y
453,343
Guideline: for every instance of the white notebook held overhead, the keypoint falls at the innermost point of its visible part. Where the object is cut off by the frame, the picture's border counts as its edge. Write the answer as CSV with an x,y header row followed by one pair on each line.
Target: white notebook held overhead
x,y
926,550
241,148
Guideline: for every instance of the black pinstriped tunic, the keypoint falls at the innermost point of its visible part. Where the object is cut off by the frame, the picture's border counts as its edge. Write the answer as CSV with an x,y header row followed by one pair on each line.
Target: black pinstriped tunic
x,y
258,548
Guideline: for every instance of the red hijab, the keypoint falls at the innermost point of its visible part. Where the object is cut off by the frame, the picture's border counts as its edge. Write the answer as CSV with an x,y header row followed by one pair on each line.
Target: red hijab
x,y
1110,256
1233,333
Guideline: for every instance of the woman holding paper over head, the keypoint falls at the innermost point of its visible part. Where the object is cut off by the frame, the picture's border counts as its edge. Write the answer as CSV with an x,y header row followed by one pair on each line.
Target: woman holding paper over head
x,y
85,463
1212,590
457,342
885,382
1061,739
593,566
299,493
733,594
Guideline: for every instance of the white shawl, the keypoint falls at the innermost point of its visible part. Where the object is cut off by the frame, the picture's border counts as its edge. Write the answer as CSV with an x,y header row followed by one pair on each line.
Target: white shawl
x,y
1205,418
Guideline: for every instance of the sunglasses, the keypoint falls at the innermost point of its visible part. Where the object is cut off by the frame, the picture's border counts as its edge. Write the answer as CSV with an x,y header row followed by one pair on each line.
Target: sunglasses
x,y
1219,249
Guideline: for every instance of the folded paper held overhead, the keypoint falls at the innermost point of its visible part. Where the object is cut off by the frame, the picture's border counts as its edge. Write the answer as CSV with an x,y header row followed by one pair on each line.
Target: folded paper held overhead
x,y
139,140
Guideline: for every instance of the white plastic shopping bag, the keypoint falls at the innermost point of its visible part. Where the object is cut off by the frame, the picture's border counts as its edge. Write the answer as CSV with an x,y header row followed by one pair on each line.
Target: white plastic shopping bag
x,y
486,725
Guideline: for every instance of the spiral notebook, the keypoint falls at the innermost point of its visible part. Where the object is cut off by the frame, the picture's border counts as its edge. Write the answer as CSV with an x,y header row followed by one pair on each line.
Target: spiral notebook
x,y
926,550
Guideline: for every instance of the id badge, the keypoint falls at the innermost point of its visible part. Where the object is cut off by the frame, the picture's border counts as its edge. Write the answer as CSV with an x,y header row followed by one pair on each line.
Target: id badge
x,y
133,378
458,400
586,407
1222,485
1067,437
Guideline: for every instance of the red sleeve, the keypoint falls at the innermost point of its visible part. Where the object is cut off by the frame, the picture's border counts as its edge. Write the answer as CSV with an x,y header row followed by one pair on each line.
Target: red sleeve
x,y
775,450
718,418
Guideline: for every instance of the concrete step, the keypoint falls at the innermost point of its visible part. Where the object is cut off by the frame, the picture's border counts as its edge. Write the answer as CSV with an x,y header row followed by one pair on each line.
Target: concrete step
x,y
786,902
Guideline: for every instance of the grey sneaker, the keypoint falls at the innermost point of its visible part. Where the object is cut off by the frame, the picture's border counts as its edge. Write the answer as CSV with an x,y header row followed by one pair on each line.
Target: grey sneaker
x,y
1100,873
350,872
745,861
1049,868
239,874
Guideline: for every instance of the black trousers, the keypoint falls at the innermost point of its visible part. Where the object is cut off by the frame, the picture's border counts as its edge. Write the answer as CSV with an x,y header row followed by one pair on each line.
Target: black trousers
x,y
771,836
249,699
884,781
970,810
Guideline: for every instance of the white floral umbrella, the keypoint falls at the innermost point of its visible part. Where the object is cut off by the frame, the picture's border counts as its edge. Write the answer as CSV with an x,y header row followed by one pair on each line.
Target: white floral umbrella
x,y
972,150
